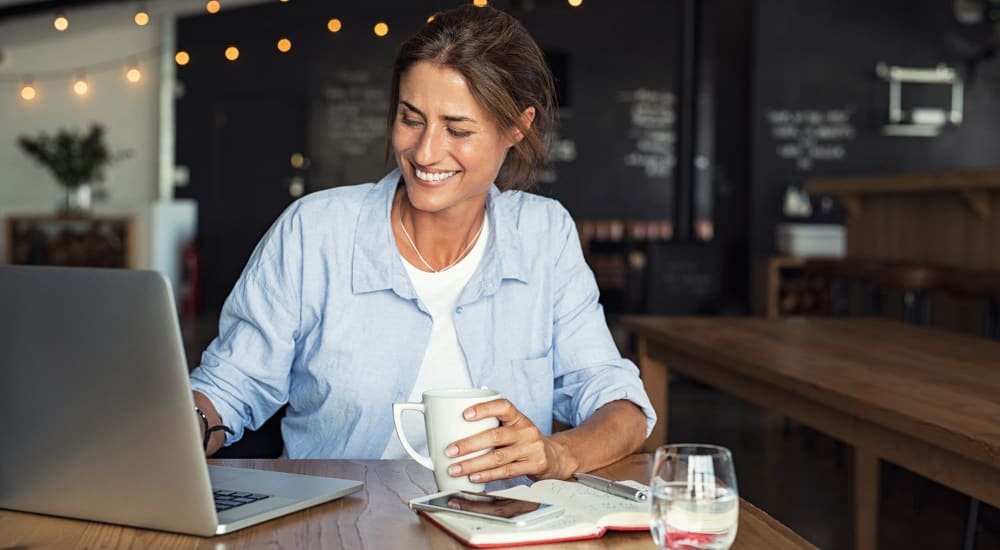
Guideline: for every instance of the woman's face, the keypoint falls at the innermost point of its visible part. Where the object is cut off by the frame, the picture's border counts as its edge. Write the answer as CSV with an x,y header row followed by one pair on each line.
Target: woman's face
x,y
448,148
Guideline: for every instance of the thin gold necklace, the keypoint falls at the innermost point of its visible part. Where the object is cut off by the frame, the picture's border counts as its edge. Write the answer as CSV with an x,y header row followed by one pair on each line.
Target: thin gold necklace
x,y
399,211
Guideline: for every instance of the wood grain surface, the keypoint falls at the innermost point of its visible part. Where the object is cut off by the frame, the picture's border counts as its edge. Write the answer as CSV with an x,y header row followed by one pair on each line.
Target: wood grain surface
x,y
375,518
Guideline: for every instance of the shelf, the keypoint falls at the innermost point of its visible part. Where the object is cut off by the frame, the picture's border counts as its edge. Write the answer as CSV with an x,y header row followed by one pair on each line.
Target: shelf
x,y
86,241
972,185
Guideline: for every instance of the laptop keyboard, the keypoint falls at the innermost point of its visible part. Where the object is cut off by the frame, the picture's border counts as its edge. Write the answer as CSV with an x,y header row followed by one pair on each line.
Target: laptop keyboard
x,y
227,500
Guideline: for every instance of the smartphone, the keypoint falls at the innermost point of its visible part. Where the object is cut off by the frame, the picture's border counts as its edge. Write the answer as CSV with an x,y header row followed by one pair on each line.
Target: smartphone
x,y
511,511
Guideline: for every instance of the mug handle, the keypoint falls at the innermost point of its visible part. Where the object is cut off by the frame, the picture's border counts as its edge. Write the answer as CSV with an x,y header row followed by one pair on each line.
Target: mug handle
x,y
397,413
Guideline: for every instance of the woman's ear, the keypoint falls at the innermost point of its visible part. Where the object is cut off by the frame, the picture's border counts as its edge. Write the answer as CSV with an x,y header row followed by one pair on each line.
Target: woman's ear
x,y
526,118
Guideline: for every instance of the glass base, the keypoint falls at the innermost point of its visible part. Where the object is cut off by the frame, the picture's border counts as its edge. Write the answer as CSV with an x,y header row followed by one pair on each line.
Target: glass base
x,y
77,201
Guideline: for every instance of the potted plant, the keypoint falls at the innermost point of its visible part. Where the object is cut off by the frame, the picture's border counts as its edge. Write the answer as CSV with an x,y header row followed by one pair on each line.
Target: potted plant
x,y
76,159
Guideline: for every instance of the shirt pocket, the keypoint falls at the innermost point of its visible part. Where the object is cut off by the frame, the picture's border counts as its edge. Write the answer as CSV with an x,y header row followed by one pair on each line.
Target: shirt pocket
x,y
534,367
531,386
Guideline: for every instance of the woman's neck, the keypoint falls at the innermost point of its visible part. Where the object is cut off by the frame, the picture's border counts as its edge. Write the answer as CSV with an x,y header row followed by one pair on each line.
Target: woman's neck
x,y
435,241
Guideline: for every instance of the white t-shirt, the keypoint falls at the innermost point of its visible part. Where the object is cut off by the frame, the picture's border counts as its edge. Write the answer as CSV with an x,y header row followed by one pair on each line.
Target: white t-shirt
x,y
444,364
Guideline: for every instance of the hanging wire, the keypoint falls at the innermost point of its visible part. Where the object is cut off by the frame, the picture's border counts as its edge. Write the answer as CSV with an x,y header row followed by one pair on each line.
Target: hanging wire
x,y
68,73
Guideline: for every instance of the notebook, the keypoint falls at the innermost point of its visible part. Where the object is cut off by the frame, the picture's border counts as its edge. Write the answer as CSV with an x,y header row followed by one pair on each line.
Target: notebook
x,y
589,514
97,417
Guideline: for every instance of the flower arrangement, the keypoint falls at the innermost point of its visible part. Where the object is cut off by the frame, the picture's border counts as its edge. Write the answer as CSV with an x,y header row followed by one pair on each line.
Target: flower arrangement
x,y
74,158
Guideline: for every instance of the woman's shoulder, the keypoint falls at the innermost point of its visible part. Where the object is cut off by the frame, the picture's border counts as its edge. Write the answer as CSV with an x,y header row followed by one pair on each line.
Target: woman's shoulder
x,y
343,197
532,212
335,204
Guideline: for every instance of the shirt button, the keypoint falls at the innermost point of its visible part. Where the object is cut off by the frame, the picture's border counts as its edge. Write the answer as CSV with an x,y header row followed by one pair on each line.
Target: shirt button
x,y
458,310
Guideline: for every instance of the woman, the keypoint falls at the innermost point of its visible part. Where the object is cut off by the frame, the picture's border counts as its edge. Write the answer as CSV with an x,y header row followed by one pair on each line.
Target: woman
x,y
439,275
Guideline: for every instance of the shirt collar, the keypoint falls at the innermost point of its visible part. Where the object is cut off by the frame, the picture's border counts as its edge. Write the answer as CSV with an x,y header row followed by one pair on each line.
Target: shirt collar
x,y
378,266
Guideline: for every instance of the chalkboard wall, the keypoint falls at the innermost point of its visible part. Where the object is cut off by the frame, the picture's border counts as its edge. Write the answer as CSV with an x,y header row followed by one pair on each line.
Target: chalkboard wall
x,y
818,106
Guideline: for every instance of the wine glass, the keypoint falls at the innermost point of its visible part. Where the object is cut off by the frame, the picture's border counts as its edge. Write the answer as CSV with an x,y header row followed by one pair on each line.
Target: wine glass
x,y
695,504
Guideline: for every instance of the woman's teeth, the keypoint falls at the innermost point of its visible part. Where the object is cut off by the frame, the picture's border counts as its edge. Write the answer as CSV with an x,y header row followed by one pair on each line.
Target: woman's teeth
x,y
438,176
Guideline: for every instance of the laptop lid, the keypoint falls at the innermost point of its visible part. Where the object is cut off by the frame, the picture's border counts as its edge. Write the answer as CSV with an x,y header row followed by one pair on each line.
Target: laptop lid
x,y
96,409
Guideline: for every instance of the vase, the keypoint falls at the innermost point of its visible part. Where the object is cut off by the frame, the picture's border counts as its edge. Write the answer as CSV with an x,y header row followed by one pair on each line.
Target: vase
x,y
77,200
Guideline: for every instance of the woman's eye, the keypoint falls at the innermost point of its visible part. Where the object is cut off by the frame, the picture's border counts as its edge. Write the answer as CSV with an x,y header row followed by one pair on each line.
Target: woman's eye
x,y
411,122
459,133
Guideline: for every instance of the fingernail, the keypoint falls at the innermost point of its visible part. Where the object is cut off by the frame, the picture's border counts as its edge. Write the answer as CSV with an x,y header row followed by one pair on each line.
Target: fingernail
x,y
470,414
475,477
451,451
454,469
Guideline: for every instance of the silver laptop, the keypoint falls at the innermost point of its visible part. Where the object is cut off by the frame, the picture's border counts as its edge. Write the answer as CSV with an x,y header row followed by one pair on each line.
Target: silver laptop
x,y
97,418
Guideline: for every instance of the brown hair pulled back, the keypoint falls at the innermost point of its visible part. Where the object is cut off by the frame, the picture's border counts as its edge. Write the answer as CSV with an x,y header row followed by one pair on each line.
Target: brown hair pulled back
x,y
506,73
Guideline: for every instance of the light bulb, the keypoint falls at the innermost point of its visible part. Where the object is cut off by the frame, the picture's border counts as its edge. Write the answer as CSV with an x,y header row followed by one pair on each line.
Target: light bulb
x,y
80,86
141,17
232,53
182,57
284,45
381,29
61,22
575,3
480,3
334,25
28,92
133,74
213,6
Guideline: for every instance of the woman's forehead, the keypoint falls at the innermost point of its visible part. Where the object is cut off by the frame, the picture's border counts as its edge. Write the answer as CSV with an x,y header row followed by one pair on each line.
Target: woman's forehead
x,y
439,91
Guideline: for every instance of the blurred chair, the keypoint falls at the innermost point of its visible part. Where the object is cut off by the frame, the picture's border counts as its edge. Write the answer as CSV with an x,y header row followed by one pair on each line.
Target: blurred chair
x,y
840,276
981,286
915,282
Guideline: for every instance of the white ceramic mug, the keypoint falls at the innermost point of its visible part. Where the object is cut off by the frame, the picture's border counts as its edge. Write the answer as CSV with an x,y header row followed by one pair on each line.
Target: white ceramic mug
x,y
443,420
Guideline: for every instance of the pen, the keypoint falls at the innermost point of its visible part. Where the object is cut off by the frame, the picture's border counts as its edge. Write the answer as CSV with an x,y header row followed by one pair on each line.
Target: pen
x,y
611,487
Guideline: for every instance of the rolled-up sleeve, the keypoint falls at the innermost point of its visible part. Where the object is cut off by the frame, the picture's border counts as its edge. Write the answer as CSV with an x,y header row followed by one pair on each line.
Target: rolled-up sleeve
x,y
589,370
245,370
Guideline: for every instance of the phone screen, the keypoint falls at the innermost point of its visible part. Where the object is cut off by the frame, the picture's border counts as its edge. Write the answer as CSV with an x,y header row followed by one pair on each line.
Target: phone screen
x,y
504,509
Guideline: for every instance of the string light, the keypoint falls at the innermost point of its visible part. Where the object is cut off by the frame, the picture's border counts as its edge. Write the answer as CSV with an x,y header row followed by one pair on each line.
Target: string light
x,y
61,22
80,85
133,74
28,91
141,17
480,3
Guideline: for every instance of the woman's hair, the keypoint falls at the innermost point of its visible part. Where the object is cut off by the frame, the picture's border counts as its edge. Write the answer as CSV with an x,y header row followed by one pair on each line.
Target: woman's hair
x,y
506,73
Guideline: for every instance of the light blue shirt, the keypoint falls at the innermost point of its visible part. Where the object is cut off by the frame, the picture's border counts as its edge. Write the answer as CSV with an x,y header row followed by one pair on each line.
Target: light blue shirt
x,y
324,317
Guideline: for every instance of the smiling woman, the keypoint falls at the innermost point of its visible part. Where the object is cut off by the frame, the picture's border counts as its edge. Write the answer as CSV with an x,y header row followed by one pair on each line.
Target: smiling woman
x,y
443,274
449,151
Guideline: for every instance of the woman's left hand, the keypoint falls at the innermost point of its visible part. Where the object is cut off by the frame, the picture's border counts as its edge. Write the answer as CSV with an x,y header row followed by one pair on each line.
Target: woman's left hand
x,y
519,448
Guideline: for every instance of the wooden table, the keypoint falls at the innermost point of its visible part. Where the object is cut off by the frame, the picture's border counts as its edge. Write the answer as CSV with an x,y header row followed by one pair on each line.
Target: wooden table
x,y
375,518
925,399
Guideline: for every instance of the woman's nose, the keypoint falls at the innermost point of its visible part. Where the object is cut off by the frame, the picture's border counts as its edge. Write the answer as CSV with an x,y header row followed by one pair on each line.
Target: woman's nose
x,y
428,147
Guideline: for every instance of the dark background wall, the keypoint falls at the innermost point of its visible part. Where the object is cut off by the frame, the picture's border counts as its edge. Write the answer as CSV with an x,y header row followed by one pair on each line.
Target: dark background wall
x,y
820,57
649,87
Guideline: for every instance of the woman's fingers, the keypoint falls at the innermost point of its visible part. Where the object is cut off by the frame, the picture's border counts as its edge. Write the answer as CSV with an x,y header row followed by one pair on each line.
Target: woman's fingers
x,y
518,447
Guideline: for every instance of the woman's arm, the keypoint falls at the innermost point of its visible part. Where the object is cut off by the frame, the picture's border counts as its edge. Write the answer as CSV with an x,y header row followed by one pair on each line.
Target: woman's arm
x,y
616,430
219,437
